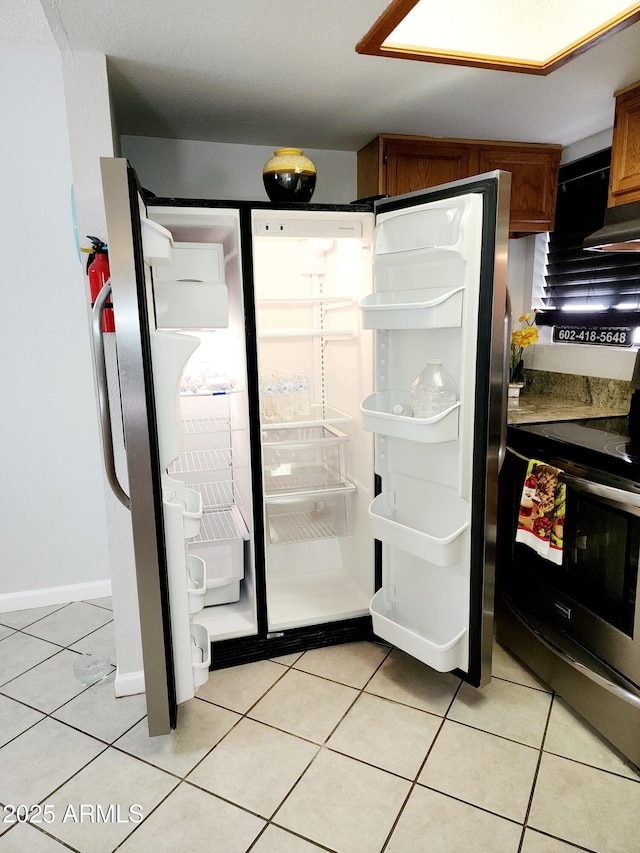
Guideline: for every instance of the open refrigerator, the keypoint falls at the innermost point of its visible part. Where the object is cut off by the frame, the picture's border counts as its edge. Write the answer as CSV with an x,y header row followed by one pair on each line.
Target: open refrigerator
x,y
282,496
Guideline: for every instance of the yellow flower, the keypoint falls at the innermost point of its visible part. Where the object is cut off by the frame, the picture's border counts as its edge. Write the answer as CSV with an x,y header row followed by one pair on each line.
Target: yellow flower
x,y
524,317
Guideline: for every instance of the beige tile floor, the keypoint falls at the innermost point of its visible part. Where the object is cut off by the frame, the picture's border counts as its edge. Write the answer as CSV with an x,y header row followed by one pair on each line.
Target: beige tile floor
x,y
352,749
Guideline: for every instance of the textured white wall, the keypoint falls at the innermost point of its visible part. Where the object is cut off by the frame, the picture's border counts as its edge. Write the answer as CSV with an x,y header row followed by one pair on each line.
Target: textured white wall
x,y
183,168
52,520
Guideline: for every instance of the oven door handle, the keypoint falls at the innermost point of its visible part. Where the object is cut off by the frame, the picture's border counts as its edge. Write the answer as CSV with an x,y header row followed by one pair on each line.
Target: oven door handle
x,y
589,487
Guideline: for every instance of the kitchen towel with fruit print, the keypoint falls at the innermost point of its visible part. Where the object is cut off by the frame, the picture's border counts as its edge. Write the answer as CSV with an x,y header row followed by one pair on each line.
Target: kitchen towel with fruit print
x,y
542,510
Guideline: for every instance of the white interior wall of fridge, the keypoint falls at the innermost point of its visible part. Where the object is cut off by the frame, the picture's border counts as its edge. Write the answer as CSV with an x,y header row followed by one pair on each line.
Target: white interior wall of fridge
x,y
425,305
214,431
317,461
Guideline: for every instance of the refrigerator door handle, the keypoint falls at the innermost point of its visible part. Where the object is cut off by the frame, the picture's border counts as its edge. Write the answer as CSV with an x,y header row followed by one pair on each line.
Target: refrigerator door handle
x,y
103,397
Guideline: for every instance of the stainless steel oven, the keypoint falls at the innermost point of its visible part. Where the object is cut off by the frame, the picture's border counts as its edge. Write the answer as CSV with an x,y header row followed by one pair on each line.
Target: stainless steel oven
x,y
578,623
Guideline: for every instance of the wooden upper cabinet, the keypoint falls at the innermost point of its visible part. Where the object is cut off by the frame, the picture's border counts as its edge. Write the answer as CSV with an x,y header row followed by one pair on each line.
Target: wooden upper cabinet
x,y
624,183
401,164
534,183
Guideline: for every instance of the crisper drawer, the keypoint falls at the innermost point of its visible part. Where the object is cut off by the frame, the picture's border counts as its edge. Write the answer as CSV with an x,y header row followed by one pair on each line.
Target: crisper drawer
x,y
303,458
323,514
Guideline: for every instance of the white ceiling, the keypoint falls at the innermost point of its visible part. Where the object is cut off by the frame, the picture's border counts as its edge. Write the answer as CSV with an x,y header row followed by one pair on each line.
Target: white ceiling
x,y
285,72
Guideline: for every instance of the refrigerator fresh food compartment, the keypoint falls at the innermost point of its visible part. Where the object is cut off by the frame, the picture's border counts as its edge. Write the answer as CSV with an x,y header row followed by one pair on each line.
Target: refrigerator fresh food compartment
x,y
443,654
200,654
309,517
196,583
378,416
433,308
305,458
157,243
191,304
430,527
193,262
439,224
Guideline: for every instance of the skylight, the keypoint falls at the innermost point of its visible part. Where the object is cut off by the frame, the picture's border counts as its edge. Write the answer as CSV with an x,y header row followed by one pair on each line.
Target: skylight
x,y
532,36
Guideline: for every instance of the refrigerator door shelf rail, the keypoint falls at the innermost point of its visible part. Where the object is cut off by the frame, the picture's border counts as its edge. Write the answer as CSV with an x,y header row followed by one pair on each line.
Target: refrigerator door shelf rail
x,y
200,654
443,656
442,548
329,334
320,415
435,308
196,583
378,417
197,461
221,494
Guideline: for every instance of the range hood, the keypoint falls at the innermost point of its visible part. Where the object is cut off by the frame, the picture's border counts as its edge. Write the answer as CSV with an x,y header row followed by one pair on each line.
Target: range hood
x,y
620,232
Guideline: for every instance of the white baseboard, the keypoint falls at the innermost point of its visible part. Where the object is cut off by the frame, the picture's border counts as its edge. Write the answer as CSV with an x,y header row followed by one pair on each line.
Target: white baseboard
x,y
53,595
128,684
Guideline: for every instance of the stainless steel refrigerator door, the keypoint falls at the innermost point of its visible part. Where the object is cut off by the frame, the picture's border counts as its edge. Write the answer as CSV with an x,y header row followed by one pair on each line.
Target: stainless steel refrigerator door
x,y
133,306
437,524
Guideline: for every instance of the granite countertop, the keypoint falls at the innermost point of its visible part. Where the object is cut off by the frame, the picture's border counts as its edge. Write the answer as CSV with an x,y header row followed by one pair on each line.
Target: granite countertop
x,y
550,396
532,408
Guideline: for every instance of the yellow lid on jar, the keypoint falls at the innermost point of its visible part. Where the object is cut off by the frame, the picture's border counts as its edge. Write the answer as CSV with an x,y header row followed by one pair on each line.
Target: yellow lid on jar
x,y
291,160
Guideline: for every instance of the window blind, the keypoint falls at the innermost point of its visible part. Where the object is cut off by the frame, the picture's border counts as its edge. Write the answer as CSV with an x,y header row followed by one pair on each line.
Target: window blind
x,y
587,288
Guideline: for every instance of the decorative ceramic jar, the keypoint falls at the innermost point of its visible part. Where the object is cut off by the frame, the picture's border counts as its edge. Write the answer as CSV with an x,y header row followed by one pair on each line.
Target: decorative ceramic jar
x,y
289,176
515,388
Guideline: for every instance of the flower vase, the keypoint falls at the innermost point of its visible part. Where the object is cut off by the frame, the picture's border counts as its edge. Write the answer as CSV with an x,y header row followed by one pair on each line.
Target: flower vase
x,y
514,389
289,176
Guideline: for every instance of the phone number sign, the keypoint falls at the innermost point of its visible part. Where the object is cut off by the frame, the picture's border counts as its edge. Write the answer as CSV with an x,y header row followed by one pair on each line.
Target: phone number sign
x,y
606,336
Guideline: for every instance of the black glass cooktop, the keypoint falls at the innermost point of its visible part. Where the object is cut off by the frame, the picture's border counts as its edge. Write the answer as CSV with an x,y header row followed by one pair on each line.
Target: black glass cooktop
x,y
599,442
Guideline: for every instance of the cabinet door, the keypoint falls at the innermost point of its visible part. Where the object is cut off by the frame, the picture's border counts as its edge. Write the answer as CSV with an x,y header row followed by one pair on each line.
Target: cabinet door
x,y
625,152
416,165
534,183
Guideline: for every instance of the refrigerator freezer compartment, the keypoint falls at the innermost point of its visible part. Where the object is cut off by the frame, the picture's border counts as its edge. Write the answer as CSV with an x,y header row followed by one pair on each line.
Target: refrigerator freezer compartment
x,y
208,426
378,416
434,535
197,262
304,458
196,583
434,308
200,654
157,243
307,517
191,304
441,653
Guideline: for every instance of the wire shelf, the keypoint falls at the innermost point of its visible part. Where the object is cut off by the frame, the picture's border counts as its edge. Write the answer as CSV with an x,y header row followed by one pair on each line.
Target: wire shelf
x,y
191,461
222,525
202,426
299,527
217,495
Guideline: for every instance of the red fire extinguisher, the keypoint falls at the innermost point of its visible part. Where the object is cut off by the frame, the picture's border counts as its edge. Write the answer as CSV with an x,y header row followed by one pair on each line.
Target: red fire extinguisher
x,y
98,272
